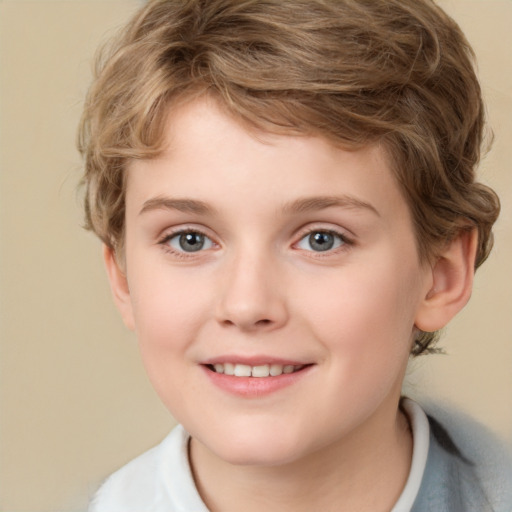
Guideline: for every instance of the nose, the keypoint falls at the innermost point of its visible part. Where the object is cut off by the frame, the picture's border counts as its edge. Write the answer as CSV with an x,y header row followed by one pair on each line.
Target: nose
x,y
252,295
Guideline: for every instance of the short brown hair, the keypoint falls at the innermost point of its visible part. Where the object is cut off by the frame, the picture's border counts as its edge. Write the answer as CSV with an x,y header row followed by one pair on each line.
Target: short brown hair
x,y
395,72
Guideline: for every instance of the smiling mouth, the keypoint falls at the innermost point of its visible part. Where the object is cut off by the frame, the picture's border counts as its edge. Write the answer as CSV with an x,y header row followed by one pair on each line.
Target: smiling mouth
x,y
260,371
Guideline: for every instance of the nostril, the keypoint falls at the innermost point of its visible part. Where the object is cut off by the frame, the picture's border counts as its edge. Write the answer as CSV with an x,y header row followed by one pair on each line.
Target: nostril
x,y
264,322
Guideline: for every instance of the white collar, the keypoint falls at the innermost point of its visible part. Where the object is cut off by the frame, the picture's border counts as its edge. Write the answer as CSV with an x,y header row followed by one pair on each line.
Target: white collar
x,y
421,440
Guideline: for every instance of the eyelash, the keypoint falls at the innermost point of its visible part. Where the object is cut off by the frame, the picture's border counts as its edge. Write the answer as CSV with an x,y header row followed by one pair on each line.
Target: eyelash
x,y
344,244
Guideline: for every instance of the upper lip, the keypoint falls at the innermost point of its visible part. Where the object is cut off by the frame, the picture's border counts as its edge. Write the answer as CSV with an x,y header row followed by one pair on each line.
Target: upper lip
x,y
252,360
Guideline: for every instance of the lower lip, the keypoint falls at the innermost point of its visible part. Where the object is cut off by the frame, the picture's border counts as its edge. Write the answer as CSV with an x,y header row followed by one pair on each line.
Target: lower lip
x,y
254,387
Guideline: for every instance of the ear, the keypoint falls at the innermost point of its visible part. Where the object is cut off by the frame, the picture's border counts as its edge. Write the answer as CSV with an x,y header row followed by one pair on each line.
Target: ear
x,y
451,282
119,286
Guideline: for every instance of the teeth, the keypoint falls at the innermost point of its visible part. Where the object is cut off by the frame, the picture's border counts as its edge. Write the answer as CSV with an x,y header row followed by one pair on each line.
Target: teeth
x,y
276,369
229,369
242,370
260,371
265,370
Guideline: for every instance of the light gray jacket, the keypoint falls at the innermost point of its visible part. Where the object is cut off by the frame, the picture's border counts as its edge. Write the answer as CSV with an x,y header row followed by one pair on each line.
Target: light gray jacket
x,y
467,469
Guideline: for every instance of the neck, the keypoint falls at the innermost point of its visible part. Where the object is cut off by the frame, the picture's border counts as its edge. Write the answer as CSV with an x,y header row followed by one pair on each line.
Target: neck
x,y
366,472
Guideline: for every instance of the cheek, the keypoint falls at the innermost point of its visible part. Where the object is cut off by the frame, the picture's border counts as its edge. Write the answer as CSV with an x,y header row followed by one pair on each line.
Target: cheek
x,y
169,317
169,308
362,310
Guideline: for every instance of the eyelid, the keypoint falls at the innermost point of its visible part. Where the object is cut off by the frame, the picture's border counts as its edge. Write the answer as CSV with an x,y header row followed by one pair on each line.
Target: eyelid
x,y
327,227
171,232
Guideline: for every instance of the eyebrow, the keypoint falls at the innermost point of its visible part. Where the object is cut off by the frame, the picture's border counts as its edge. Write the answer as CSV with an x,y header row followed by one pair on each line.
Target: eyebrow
x,y
309,204
301,205
182,205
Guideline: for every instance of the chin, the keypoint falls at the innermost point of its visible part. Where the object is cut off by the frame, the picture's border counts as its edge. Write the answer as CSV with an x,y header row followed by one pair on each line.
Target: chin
x,y
259,456
250,448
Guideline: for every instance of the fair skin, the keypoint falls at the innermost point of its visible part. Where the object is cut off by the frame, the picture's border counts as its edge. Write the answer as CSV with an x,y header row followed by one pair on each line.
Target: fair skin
x,y
280,254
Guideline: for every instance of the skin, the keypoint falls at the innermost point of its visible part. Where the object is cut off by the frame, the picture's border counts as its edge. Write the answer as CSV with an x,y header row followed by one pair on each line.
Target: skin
x,y
334,438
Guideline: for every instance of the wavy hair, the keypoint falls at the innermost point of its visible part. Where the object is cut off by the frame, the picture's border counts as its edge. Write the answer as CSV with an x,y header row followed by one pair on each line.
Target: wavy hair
x,y
395,72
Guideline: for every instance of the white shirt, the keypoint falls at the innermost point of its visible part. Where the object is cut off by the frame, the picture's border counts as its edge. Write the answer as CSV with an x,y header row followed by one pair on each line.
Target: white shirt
x,y
160,480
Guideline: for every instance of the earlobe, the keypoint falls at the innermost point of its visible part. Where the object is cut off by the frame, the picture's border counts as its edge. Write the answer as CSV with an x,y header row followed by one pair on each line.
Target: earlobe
x,y
119,286
450,284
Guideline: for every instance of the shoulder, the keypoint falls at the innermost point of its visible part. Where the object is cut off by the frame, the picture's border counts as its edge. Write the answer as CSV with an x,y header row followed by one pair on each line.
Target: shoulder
x,y
141,484
468,468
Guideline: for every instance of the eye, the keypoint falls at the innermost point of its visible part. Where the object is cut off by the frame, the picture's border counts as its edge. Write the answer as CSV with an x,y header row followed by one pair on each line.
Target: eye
x,y
189,241
321,241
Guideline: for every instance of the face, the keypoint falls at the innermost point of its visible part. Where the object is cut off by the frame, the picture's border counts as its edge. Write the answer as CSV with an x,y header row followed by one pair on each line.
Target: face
x,y
273,283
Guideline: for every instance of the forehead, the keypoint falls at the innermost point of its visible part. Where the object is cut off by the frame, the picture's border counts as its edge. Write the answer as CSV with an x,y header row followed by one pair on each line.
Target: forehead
x,y
220,162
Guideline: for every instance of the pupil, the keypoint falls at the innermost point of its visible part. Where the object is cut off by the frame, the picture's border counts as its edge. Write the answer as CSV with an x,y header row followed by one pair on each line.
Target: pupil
x,y
191,242
321,241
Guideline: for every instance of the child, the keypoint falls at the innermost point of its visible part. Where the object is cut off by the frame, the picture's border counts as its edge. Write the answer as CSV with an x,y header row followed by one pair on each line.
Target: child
x,y
286,195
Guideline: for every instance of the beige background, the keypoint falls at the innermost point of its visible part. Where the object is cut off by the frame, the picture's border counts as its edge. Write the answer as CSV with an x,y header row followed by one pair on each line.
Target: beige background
x,y
75,403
